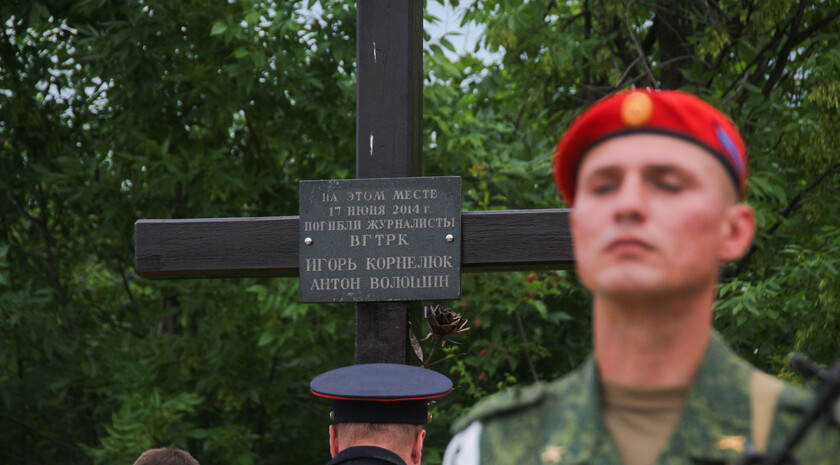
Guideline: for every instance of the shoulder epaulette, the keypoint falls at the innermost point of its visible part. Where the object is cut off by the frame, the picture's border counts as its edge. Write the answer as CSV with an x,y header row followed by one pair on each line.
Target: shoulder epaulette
x,y
508,400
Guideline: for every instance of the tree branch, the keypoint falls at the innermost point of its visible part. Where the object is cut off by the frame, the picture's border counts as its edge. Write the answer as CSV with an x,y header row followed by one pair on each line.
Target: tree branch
x,y
783,56
99,316
638,46
774,41
815,27
41,433
125,283
450,357
525,340
41,225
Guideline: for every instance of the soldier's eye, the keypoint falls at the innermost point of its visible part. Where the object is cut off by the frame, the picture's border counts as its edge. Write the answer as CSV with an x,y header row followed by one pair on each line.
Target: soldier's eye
x,y
669,186
604,187
603,183
668,181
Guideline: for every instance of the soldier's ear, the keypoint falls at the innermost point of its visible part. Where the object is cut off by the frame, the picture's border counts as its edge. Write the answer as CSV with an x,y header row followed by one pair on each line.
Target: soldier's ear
x,y
737,232
417,447
334,448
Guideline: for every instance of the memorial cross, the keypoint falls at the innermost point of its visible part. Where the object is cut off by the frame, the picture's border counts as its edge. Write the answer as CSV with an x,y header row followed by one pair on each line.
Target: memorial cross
x,y
388,144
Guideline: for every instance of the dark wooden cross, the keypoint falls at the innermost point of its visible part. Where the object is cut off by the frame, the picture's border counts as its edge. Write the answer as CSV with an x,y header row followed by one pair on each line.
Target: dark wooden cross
x,y
389,111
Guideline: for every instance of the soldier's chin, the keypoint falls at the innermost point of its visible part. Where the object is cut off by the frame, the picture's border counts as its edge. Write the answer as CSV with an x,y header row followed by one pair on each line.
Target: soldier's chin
x,y
625,278
626,286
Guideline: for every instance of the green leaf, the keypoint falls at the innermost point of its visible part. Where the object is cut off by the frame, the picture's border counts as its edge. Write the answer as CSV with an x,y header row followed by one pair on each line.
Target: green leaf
x,y
267,337
219,27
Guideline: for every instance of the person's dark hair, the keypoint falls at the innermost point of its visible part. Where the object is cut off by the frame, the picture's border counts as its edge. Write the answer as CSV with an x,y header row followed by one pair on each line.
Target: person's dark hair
x,y
166,456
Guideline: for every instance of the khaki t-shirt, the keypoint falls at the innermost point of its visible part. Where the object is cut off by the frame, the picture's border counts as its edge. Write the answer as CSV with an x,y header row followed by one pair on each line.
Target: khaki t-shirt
x,y
642,420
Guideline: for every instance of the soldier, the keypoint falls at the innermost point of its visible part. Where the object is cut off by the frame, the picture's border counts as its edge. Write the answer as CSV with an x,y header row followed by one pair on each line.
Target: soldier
x,y
655,180
379,410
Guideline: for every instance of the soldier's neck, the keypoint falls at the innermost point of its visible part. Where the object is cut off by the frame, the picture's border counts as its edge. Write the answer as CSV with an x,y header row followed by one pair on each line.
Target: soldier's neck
x,y
403,453
659,343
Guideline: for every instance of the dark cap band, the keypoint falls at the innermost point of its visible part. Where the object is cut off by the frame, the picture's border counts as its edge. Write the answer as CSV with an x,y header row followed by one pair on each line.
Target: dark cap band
x,y
358,411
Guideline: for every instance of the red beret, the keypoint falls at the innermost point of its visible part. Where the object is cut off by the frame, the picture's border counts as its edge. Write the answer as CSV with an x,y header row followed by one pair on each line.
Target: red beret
x,y
671,113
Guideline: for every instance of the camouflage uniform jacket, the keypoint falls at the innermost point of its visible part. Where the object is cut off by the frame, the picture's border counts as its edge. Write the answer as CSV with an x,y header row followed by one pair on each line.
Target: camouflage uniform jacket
x,y
561,422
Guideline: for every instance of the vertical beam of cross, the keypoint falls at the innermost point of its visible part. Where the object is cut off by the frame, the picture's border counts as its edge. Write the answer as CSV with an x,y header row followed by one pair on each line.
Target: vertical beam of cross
x,y
389,112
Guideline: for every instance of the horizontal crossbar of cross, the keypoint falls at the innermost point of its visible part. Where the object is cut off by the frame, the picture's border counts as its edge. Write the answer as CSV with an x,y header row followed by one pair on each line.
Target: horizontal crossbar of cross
x,y
268,246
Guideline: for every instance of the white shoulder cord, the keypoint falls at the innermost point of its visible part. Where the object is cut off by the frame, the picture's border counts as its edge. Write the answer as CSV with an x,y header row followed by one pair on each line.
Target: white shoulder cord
x,y
464,448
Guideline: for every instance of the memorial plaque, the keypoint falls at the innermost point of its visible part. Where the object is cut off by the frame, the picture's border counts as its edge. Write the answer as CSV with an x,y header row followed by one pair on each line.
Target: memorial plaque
x,y
388,239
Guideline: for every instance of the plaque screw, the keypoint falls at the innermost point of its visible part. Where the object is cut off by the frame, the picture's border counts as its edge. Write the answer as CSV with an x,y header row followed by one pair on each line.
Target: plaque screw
x,y
450,238
308,241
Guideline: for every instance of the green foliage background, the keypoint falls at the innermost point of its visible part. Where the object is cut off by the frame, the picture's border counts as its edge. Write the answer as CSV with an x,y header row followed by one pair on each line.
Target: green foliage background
x,y
112,111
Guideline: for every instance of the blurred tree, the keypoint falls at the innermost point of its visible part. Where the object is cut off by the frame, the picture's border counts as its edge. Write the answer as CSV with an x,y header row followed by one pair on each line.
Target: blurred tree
x,y
113,111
